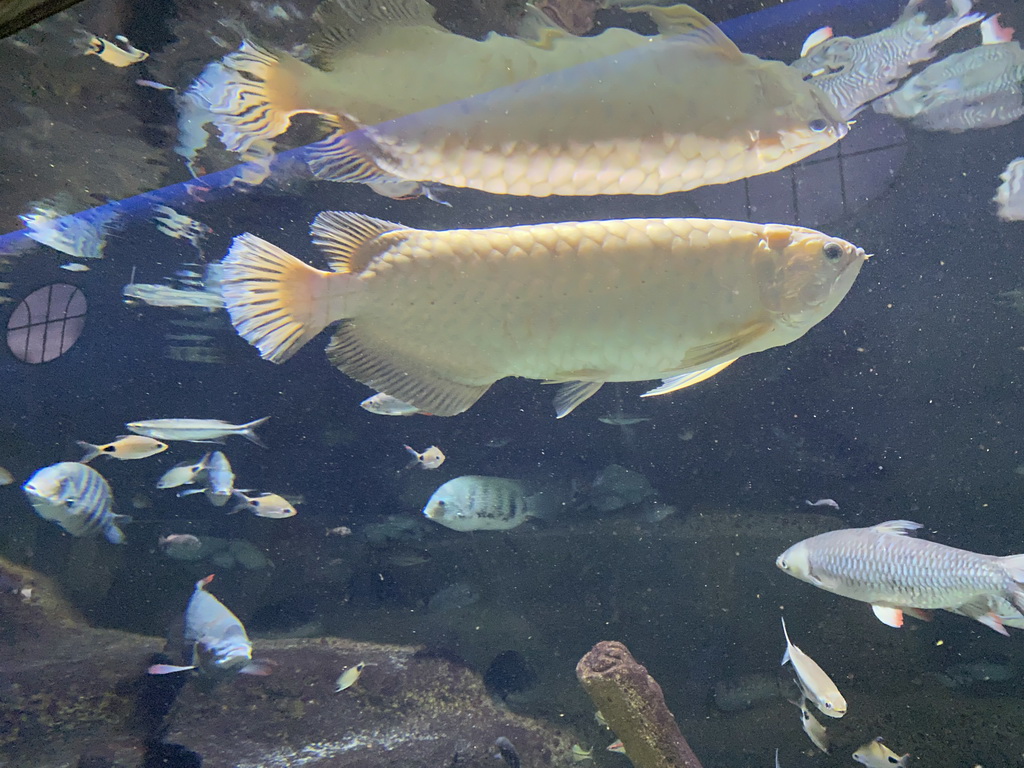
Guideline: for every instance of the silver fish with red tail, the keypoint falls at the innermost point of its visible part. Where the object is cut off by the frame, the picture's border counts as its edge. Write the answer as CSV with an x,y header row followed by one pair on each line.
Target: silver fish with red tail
x,y
896,573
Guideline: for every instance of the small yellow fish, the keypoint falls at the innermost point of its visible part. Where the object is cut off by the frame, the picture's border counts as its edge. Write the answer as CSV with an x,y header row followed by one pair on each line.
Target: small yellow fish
x,y
126,448
875,754
349,677
599,719
815,683
432,458
436,318
113,54
617,746
269,505
815,731
6,478
579,754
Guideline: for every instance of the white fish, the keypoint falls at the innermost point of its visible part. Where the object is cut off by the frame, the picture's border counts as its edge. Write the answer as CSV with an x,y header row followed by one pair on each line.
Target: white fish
x,y
270,505
74,266
815,683
622,419
217,640
125,448
386,405
195,430
815,731
77,498
156,295
6,478
875,754
477,503
349,677
896,573
217,478
467,113
855,71
182,474
81,235
822,503
119,56
431,458
1010,195
180,543
710,291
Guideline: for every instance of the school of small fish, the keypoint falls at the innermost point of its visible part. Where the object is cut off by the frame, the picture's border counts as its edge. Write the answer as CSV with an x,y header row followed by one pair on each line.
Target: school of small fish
x,y
430,320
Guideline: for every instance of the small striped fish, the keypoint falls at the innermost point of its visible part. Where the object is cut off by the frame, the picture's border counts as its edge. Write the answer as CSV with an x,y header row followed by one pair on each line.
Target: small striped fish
x,y
855,71
77,498
477,503
896,573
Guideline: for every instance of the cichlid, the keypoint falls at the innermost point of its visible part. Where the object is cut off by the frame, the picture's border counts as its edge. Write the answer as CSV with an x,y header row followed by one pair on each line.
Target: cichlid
x,y
979,88
196,430
125,448
814,681
77,498
564,115
219,645
478,503
855,71
875,754
1010,195
435,318
896,573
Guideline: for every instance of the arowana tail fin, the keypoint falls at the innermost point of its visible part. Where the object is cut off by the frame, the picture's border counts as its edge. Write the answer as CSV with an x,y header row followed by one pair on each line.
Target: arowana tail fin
x,y
276,302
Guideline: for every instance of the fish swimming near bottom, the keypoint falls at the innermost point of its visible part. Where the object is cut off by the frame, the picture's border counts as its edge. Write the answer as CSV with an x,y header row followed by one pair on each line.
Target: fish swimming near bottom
x,y
477,503
897,573
217,640
814,681
875,754
77,498
435,318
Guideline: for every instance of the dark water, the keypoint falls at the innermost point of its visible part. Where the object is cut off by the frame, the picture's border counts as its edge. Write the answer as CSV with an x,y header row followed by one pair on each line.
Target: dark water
x,y
904,403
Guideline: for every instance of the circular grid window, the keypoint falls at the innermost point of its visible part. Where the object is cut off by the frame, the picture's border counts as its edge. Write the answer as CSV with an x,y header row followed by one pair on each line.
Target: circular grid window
x,y
47,323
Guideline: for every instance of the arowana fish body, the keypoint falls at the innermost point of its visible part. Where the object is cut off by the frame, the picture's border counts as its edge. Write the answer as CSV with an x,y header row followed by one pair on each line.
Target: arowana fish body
x,y
435,318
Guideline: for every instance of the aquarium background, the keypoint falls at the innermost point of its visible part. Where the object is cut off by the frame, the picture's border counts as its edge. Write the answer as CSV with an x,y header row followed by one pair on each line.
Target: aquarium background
x,y
904,403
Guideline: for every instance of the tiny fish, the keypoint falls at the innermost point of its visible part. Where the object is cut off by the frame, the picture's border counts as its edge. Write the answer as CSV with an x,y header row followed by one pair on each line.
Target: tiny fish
x,y
617,746
153,84
349,677
219,645
182,474
822,503
875,754
180,226
815,731
269,505
1010,195
113,54
6,478
507,752
816,684
386,405
579,754
896,574
74,266
600,720
196,430
431,458
77,498
125,448
622,419
341,530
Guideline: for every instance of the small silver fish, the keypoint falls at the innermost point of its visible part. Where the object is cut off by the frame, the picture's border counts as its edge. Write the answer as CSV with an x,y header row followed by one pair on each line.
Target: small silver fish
x,y
74,266
896,573
180,542
814,681
622,419
431,458
220,479
77,498
118,56
219,644
386,405
875,754
182,474
822,503
1010,195
269,505
196,430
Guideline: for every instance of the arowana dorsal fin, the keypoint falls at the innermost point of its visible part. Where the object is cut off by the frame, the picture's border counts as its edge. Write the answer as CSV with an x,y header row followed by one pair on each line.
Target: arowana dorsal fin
x,y
351,240
690,25
341,23
897,527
